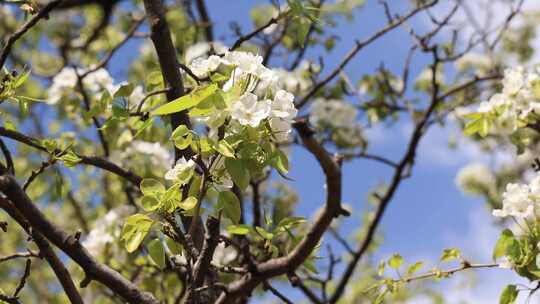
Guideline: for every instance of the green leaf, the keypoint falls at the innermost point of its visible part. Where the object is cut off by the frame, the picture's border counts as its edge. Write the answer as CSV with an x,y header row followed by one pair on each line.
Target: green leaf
x,y
414,267
238,172
124,90
151,187
290,222
70,159
281,162
224,148
182,137
188,204
302,29
157,252
507,236
135,230
395,261
450,254
186,101
480,126
238,229
173,246
230,204
150,203
380,268
509,295
264,234
21,79
143,125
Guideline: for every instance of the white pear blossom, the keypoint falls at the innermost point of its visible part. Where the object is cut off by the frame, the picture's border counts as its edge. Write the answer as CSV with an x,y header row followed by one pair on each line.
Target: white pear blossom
x,y
107,229
475,178
283,105
159,155
201,49
247,62
224,255
66,80
281,128
182,171
334,112
516,202
136,95
202,66
249,111
513,81
473,60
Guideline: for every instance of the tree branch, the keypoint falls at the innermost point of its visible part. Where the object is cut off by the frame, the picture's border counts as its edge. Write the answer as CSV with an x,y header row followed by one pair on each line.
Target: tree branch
x,y
71,246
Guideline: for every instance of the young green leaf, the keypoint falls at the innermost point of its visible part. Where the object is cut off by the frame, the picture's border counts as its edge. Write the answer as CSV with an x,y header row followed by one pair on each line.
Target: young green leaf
x,y
507,236
157,252
238,229
150,203
450,254
151,187
174,247
188,204
135,230
238,172
509,295
395,261
187,101
230,204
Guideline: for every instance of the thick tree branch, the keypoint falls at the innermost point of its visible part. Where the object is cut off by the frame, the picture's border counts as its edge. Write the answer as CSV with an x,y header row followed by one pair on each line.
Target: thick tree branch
x,y
170,68
294,259
45,251
71,246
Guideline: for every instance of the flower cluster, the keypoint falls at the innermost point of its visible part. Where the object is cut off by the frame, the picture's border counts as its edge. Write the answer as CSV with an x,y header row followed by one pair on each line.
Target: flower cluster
x,y
65,81
339,118
476,178
518,103
521,201
261,98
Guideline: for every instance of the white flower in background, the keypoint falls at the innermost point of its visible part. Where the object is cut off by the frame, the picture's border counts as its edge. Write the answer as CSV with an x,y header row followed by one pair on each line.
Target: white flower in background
x,y
136,95
283,105
333,112
513,81
473,61
280,128
99,80
181,172
224,255
106,230
202,49
426,77
248,111
66,79
516,202
159,156
475,178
